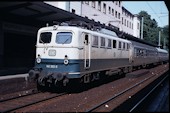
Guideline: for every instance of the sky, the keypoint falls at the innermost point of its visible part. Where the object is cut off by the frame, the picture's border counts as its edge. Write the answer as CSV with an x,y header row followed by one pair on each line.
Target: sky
x,y
157,9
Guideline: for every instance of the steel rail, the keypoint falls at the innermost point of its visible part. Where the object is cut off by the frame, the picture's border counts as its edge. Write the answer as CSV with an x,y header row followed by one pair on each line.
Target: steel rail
x,y
119,94
31,103
145,97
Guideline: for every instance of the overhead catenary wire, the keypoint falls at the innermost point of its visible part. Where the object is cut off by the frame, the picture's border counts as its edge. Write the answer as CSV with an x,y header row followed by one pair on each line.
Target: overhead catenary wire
x,y
154,12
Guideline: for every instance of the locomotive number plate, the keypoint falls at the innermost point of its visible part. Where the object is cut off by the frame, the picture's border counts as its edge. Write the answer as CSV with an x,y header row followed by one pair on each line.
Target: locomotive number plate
x,y
51,66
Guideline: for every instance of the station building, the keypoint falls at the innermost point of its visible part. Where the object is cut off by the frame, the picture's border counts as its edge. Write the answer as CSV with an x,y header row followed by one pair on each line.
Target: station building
x,y
106,12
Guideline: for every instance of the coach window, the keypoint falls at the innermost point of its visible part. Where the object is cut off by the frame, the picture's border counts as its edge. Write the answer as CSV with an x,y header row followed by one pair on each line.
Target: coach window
x,y
144,52
45,37
102,42
95,41
114,43
109,44
63,38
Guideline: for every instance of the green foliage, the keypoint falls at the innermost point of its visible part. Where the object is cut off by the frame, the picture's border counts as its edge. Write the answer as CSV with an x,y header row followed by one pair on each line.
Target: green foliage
x,y
151,30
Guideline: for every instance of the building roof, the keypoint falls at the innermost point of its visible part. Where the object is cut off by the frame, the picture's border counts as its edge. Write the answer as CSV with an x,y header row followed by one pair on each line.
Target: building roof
x,y
39,13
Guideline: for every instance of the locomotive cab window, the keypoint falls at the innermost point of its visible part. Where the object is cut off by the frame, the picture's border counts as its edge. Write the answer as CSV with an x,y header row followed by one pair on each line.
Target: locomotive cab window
x,y
64,38
45,37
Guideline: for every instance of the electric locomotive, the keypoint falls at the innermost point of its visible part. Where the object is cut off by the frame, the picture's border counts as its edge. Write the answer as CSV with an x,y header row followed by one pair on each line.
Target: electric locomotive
x,y
65,53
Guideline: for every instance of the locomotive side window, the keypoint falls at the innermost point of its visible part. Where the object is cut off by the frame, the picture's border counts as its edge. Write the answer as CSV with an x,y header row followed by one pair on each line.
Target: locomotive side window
x,y
109,43
64,38
114,43
95,41
102,42
45,37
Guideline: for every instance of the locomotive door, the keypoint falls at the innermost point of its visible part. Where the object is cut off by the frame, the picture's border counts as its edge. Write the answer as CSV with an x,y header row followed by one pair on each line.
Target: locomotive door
x,y
87,51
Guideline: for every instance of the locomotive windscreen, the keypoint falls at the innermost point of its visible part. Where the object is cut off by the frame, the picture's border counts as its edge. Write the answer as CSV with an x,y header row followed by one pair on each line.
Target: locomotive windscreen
x,y
45,37
63,38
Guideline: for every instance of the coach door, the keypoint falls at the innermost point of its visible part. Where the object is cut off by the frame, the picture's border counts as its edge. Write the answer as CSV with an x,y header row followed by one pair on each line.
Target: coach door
x,y
131,54
87,50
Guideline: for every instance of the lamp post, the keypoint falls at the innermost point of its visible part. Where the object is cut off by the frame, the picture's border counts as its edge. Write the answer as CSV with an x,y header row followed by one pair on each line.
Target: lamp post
x,y
142,29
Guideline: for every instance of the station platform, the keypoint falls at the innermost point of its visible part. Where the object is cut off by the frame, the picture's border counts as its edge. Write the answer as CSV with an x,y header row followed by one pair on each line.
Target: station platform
x,y
10,73
14,76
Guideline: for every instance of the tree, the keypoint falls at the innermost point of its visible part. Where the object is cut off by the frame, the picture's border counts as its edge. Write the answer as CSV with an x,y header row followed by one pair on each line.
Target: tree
x,y
150,28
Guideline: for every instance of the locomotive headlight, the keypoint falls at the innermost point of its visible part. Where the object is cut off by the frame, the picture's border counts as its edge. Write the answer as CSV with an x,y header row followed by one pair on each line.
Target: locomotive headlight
x,y
52,52
66,60
38,59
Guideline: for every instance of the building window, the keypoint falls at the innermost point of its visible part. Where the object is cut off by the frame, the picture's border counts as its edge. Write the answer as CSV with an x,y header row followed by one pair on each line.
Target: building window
x,y
93,4
109,10
119,3
122,20
99,5
104,8
125,22
113,12
116,2
138,25
116,14
119,15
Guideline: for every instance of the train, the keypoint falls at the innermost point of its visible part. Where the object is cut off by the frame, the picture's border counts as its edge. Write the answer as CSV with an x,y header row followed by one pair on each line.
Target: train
x,y
67,52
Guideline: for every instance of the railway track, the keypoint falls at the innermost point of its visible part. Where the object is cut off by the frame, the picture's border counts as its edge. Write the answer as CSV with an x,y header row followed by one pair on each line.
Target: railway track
x,y
139,106
15,103
19,94
104,105
85,100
